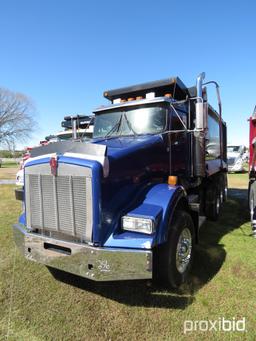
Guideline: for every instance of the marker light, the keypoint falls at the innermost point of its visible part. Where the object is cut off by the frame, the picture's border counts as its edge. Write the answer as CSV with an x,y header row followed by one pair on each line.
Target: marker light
x,y
117,100
135,224
150,95
172,180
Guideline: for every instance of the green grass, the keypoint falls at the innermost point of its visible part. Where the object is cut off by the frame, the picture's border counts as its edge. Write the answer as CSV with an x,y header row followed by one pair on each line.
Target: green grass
x,y
9,164
223,284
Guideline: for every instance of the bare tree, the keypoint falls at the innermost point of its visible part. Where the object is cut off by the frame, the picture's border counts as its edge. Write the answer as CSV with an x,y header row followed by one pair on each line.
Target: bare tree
x,y
16,117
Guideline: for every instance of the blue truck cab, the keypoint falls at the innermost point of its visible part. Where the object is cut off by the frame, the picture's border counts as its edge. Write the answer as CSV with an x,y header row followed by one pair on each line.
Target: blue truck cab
x,y
128,204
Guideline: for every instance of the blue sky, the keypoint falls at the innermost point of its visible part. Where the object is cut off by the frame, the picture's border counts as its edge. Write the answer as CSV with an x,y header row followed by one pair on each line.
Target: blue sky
x,y
64,54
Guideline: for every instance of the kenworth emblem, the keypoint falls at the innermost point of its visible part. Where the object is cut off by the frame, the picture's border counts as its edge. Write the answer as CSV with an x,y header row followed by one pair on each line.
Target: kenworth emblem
x,y
103,266
54,165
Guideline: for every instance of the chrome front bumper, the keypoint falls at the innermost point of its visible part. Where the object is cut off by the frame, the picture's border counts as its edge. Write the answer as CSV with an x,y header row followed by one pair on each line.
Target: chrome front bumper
x,y
99,264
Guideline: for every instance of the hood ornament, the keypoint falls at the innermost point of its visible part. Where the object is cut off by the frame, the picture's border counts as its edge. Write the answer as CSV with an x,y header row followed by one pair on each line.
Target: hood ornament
x,y
54,164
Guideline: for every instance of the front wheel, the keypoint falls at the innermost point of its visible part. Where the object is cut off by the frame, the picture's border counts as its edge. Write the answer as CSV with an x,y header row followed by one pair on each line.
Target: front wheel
x,y
175,257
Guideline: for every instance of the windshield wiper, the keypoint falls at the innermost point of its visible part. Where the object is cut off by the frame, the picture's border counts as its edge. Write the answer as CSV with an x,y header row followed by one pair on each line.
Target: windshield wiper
x,y
114,128
129,125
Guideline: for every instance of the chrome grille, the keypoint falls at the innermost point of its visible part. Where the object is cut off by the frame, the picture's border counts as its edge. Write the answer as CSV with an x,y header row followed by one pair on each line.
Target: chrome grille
x,y
35,204
61,203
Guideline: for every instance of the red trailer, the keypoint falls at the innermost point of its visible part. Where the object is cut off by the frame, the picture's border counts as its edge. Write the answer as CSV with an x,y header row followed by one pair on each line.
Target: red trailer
x,y
252,172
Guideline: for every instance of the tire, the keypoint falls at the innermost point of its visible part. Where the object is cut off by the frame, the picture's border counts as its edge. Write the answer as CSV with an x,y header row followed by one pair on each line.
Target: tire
x,y
223,187
251,198
226,188
174,259
213,202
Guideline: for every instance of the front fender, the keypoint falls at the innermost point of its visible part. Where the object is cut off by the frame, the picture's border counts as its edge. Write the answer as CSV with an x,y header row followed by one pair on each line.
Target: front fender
x,y
167,197
159,203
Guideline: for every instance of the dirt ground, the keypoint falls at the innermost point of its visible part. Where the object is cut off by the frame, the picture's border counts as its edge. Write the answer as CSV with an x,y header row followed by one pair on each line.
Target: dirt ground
x,y
7,173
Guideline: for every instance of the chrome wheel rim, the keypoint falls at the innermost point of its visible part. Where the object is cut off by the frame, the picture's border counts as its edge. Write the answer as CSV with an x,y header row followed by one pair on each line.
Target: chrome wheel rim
x,y
226,193
184,250
221,197
218,205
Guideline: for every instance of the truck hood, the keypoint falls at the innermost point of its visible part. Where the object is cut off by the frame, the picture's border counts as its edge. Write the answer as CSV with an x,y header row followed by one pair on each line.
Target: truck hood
x,y
108,151
132,156
119,147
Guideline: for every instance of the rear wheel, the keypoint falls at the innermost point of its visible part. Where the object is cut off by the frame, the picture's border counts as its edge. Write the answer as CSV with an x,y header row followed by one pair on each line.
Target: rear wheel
x,y
174,258
213,202
223,187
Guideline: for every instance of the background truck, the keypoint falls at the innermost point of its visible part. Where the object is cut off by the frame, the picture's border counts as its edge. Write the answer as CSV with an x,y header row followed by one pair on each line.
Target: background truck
x,y
129,204
236,156
75,127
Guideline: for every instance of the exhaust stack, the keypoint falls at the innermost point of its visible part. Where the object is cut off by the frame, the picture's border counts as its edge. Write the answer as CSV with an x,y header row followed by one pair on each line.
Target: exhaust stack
x,y
199,102
74,127
199,140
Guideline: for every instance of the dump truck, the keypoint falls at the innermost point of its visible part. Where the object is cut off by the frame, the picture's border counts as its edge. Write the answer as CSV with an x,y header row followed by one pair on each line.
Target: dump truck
x,y
129,204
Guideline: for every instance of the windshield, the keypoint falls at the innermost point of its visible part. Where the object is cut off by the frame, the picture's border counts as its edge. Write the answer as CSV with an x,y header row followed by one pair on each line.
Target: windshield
x,y
139,121
233,148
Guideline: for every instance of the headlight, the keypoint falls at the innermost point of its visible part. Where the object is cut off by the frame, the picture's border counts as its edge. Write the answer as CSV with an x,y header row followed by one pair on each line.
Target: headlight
x,y
135,224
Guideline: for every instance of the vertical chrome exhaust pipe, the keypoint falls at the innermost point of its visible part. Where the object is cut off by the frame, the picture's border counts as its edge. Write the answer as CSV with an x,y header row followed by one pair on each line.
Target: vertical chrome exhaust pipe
x,y
199,138
199,84
199,102
74,127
